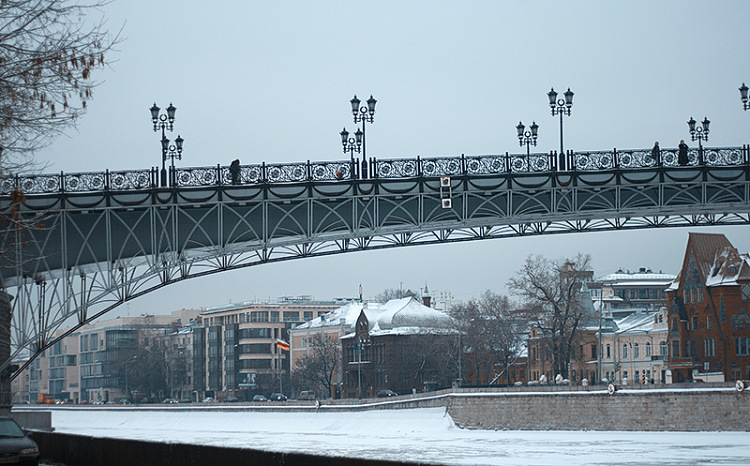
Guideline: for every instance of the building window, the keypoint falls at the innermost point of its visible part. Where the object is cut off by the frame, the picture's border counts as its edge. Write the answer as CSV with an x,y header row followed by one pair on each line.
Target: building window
x,y
663,349
736,375
648,349
690,349
675,348
624,351
700,295
636,351
710,347
675,330
722,311
694,323
609,352
291,316
593,352
742,346
274,316
709,323
308,315
745,287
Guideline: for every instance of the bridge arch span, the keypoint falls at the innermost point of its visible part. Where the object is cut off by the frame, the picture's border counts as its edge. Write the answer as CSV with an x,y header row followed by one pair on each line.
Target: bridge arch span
x,y
99,248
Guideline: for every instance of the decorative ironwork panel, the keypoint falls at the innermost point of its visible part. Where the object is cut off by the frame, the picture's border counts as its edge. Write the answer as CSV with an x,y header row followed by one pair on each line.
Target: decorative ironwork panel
x,y
722,157
249,174
279,173
187,177
669,157
404,168
487,165
40,184
330,171
585,161
529,163
635,159
132,179
441,166
81,182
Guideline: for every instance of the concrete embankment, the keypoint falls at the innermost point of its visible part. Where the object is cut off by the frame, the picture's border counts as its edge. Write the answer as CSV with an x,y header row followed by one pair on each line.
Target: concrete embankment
x,y
668,408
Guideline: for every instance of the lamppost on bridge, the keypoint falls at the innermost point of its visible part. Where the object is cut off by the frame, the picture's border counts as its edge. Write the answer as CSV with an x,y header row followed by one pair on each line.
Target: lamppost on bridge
x,y
743,97
527,137
561,107
364,115
354,144
165,121
699,134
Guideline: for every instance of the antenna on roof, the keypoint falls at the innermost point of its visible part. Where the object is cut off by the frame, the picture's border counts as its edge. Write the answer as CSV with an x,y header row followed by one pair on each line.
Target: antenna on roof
x,y
360,292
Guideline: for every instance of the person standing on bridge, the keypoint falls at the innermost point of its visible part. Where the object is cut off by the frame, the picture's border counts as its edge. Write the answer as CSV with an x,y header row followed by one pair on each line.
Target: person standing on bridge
x,y
682,153
656,154
234,171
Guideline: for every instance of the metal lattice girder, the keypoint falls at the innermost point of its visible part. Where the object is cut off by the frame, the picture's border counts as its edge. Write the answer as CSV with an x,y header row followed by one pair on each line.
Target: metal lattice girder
x,y
83,253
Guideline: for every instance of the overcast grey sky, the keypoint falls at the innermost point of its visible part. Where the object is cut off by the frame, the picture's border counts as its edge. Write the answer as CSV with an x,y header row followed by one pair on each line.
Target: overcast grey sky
x,y
271,81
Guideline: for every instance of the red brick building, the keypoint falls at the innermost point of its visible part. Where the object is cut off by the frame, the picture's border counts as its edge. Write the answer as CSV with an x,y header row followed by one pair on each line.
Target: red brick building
x,y
406,347
708,304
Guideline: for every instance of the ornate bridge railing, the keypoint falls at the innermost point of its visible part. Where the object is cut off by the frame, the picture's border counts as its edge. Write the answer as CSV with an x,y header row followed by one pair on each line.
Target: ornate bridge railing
x,y
376,168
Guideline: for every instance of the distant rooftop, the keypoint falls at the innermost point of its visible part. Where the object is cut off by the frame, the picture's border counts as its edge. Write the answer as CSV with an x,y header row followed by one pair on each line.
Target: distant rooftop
x,y
642,274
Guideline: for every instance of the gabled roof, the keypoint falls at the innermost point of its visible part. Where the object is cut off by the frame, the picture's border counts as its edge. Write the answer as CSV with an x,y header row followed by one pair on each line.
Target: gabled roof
x,y
705,247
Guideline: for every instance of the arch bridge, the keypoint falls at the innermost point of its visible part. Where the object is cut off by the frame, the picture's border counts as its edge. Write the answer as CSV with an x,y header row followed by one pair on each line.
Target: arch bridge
x,y
76,245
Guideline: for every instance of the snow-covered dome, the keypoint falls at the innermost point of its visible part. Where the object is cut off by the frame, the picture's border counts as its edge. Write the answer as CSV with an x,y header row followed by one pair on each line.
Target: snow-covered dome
x,y
407,312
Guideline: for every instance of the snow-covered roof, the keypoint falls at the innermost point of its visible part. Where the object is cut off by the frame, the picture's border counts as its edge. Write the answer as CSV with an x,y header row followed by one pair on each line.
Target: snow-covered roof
x,y
406,312
346,315
404,316
729,266
636,322
395,314
623,278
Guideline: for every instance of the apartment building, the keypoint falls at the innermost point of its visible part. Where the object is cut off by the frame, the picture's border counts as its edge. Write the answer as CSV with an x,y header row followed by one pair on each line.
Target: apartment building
x,y
235,349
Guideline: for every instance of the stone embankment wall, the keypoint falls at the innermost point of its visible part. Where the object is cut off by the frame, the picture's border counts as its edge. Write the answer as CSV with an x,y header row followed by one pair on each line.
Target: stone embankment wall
x,y
627,410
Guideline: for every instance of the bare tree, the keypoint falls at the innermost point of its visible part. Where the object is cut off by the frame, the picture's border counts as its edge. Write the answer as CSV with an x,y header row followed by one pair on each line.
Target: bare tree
x,y
553,290
392,293
316,369
48,52
492,333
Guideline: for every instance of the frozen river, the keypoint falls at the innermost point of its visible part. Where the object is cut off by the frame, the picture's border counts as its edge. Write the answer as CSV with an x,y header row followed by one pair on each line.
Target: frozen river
x,y
426,435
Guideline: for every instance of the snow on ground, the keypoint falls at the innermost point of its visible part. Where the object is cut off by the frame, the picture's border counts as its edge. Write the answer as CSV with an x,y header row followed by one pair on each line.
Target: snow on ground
x,y
426,435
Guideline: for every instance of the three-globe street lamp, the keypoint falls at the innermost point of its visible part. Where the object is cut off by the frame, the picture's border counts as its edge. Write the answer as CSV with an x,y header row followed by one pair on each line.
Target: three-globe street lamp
x,y
561,107
743,97
699,134
365,115
165,121
527,137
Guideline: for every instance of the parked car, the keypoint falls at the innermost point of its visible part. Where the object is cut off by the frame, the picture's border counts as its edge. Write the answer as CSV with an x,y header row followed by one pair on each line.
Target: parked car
x,y
260,398
122,401
15,446
208,399
232,399
186,400
386,393
278,397
168,401
306,395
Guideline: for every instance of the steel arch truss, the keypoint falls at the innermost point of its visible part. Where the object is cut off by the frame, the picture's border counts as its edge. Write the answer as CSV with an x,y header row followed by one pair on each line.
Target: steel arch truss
x,y
87,253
